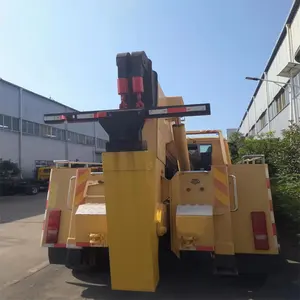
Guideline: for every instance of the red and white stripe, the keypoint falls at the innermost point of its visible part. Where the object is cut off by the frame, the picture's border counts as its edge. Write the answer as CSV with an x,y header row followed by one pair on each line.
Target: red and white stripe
x,y
46,208
54,118
94,115
274,231
179,109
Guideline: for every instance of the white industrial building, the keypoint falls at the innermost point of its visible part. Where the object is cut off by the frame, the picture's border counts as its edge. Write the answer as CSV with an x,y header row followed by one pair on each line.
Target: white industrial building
x,y
275,101
26,140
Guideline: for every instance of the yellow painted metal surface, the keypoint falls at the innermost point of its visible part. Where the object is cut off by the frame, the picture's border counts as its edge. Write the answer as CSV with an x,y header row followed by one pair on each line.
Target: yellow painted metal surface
x,y
174,201
88,224
57,199
91,229
252,196
224,243
59,188
170,101
195,232
195,188
82,176
181,147
188,188
131,219
210,188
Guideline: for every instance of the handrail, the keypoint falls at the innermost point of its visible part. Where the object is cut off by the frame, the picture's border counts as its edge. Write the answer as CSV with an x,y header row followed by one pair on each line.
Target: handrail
x,y
252,158
70,163
236,201
69,192
194,132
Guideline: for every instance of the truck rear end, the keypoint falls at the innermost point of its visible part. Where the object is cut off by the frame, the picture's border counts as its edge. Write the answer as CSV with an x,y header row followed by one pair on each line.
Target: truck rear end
x,y
156,185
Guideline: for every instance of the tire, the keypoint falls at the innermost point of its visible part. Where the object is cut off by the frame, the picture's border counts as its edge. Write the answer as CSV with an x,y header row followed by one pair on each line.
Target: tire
x,y
33,190
57,256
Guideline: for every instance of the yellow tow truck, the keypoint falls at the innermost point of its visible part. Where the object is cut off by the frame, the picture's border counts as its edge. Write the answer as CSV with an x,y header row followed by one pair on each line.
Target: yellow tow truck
x,y
161,189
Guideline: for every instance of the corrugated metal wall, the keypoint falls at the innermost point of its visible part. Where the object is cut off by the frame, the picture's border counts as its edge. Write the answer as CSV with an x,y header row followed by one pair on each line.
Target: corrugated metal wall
x,y
23,111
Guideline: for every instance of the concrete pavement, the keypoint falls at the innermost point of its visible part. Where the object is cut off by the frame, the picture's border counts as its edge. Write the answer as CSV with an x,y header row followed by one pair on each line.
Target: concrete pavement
x,y
59,283
20,254
26,275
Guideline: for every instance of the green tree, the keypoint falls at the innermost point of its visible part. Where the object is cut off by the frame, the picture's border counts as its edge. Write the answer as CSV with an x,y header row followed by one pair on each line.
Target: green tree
x,y
235,142
8,169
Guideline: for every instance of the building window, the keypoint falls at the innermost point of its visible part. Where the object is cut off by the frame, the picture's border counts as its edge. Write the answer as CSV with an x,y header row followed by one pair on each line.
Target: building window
x,y
272,110
252,131
101,143
60,134
15,124
7,122
297,84
24,126
281,100
90,140
54,133
287,95
72,137
81,139
36,129
30,128
262,121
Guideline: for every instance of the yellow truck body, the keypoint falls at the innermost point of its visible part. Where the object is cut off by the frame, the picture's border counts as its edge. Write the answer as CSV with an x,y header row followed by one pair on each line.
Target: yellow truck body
x,y
180,192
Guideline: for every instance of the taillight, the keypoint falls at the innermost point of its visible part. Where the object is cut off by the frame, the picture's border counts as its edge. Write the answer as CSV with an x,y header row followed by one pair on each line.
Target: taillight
x,y
53,227
260,232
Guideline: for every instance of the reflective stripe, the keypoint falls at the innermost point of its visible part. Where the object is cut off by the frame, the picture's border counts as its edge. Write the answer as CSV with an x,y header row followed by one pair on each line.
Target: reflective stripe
x,y
45,214
158,111
54,118
272,217
196,108
269,194
178,109
267,171
85,116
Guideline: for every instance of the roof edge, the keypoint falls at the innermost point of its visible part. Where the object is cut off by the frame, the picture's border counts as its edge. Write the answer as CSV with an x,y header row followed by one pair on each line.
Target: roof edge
x,y
45,98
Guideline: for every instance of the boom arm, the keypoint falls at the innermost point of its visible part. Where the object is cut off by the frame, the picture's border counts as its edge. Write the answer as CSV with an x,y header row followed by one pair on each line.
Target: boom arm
x,y
137,85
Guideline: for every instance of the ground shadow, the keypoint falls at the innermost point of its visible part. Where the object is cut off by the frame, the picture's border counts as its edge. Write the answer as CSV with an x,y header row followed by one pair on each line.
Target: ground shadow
x,y
17,207
187,282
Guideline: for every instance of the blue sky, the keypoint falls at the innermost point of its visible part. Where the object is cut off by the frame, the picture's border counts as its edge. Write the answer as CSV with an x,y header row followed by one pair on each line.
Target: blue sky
x,y
201,49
